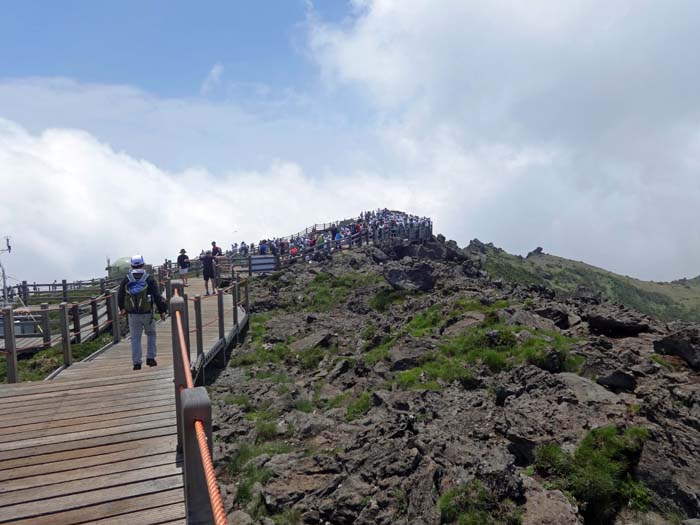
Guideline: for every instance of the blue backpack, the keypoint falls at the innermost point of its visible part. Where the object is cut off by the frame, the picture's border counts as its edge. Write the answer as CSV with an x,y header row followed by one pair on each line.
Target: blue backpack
x,y
137,300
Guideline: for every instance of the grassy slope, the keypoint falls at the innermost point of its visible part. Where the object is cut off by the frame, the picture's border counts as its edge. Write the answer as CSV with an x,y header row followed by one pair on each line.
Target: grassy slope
x,y
678,300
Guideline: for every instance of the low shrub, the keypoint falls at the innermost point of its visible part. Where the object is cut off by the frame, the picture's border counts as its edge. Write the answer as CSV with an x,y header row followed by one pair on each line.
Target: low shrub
x,y
599,474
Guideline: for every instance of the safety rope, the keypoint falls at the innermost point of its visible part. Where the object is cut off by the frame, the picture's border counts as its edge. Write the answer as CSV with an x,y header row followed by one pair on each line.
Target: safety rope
x,y
217,505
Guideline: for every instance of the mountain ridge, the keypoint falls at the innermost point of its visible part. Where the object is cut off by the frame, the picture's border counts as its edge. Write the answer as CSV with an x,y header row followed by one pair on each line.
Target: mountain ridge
x,y
677,300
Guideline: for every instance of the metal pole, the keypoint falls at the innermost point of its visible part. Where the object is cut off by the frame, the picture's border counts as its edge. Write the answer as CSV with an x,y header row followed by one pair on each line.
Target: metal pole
x,y
10,345
65,335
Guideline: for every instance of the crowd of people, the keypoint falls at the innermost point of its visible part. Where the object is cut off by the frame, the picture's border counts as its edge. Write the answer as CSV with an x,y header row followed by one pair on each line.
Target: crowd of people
x,y
379,225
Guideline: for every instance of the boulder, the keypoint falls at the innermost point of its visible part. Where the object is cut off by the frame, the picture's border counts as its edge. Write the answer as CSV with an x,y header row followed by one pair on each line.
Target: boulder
x,y
684,344
462,325
557,315
377,255
529,319
403,358
414,278
547,507
616,326
310,341
618,381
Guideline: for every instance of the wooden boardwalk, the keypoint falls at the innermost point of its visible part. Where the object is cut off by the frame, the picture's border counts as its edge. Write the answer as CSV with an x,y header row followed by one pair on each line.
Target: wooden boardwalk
x,y
97,444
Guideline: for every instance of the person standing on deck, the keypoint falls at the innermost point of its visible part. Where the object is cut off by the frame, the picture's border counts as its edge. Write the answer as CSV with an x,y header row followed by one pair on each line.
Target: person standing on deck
x,y
183,263
138,292
215,250
209,267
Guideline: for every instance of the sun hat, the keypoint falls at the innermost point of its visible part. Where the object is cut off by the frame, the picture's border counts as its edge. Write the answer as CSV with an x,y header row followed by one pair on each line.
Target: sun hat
x,y
136,260
183,251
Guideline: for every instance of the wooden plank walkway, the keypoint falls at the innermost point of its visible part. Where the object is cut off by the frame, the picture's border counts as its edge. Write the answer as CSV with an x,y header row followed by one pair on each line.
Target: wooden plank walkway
x,y
97,444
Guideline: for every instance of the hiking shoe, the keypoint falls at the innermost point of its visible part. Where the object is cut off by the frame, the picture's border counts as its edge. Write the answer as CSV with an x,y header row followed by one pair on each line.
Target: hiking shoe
x,y
151,362
137,366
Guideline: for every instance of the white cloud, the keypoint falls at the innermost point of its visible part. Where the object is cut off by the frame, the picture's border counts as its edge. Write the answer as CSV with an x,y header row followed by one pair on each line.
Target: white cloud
x,y
599,99
71,201
213,79
570,125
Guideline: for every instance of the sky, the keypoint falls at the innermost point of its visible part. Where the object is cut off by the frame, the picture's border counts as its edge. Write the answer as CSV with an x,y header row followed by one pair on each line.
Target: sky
x,y
152,126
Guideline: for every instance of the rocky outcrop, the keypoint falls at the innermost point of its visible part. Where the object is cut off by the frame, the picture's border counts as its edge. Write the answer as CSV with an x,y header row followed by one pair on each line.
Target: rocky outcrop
x,y
368,412
684,344
411,278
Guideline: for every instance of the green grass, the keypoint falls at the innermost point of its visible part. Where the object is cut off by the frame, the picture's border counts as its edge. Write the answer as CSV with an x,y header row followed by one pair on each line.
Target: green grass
x,y
662,361
240,400
265,429
326,291
492,345
304,405
249,477
599,473
383,299
677,300
425,322
261,355
37,366
359,407
473,503
496,347
310,359
379,352
439,369
249,451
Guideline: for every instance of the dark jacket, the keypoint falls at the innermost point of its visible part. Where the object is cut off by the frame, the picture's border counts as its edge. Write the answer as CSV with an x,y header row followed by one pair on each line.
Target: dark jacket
x,y
153,290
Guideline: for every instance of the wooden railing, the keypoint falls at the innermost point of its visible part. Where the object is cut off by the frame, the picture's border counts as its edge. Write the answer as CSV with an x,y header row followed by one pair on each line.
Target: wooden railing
x,y
63,291
64,324
193,406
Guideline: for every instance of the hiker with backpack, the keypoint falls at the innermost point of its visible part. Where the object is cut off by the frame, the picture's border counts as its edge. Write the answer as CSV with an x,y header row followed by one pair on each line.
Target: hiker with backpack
x,y
138,293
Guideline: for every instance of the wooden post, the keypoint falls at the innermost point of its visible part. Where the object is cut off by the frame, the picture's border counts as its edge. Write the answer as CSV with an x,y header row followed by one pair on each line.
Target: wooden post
x,y
187,318
198,324
75,313
250,265
177,305
247,296
64,290
45,325
65,335
103,287
234,295
95,317
196,406
108,309
220,301
25,292
10,345
116,328
168,290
